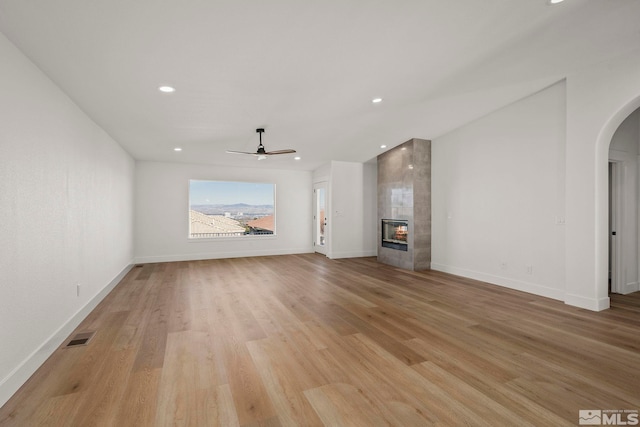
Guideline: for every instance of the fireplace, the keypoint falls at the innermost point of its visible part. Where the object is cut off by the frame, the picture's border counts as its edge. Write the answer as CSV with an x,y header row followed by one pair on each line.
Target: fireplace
x,y
404,191
395,233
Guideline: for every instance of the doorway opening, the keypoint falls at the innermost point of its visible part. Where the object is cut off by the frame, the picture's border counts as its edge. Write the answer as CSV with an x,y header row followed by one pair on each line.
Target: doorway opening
x,y
320,217
623,204
614,199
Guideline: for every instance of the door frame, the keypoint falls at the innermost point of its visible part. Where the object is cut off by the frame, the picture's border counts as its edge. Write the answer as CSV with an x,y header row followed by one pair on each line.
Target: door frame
x,y
316,220
616,223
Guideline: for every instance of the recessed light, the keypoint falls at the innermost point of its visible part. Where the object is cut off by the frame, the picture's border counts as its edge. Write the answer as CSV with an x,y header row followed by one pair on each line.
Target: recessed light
x,y
554,1
383,146
166,89
297,158
376,100
177,149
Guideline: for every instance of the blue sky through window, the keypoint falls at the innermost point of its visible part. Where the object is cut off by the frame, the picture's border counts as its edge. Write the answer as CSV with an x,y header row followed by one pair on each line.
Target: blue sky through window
x,y
230,193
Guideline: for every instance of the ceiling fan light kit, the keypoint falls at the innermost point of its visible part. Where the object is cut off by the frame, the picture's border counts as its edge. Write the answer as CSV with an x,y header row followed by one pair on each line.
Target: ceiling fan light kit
x,y
261,153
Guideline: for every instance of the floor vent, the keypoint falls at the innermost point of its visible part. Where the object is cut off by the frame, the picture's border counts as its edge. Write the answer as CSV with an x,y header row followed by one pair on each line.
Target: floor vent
x,y
78,340
138,265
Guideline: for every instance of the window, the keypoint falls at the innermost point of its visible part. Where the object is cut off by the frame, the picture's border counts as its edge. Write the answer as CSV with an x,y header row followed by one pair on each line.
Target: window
x,y
230,209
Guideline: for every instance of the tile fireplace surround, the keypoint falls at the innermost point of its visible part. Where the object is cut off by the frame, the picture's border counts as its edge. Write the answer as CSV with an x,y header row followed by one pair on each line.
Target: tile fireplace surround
x,y
404,193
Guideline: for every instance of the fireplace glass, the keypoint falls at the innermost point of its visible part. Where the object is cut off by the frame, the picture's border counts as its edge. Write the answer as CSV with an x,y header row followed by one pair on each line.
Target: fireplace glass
x,y
395,233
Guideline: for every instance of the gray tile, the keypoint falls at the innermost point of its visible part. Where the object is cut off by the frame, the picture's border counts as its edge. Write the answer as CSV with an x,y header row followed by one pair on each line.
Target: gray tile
x,y
404,192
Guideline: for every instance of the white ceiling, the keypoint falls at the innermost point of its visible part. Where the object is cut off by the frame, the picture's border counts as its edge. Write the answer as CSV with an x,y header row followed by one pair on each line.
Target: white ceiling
x,y
306,70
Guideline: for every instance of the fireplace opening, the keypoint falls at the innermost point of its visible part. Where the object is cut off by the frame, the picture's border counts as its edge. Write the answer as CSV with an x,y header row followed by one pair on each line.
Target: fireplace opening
x,y
395,233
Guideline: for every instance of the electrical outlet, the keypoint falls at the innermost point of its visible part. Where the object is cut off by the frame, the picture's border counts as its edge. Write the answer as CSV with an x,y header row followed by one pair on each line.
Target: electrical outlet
x,y
503,265
78,290
529,269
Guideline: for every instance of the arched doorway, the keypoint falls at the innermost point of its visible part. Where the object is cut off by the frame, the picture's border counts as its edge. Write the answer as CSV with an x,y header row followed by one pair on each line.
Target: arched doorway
x,y
624,150
602,190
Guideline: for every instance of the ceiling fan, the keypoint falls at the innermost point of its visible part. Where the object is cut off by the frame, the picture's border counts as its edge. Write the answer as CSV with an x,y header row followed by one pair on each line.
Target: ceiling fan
x,y
261,153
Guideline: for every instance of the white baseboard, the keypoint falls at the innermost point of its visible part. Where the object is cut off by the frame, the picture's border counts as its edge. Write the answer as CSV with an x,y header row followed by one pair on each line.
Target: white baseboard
x,y
12,382
219,255
532,288
630,288
587,303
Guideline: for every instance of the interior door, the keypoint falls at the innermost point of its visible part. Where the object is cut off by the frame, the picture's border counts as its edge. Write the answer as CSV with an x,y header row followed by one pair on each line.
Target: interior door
x,y
319,217
614,211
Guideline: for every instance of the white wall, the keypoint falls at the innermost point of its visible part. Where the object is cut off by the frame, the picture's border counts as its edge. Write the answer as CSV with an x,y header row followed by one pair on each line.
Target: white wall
x,y
351,208
322,174
498,193
598,100
162,222
66,216
627,136
370,209
624,151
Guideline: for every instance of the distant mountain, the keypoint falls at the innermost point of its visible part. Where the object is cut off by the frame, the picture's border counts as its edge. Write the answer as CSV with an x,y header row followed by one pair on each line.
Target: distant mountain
x,y
246,209
244,205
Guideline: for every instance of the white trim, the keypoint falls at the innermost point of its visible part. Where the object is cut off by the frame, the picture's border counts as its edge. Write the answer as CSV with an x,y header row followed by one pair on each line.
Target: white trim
x,y
617,155
618,164
321,249
219,255
532,288
232,238
602,147
12,382
588,303
629,288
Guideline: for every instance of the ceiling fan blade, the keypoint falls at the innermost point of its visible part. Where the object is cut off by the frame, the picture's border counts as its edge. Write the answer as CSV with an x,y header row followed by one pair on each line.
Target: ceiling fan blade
x,y
289,151
240,152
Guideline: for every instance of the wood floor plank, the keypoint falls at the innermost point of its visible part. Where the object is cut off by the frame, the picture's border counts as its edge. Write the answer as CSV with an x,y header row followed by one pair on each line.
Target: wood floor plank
x,y
151,351
285,381
180,312
302,340
389,343
188,392
112,379
344,405
138,408
407,385
250,397
56,411
483,406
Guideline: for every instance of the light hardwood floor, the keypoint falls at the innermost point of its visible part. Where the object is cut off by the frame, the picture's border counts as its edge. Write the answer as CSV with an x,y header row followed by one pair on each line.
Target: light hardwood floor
x,y
301,340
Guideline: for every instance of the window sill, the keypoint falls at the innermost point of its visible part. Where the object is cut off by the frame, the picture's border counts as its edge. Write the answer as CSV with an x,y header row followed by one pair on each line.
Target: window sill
x,y
231,238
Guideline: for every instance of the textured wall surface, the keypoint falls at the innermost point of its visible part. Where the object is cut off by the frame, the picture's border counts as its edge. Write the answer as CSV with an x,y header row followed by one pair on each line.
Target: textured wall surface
x,y
404,192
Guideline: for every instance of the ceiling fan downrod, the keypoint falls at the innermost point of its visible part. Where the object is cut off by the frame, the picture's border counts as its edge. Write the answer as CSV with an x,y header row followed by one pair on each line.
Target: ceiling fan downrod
x,y
260,146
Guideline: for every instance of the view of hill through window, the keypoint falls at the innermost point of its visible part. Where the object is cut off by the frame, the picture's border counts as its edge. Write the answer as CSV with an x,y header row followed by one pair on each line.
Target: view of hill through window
x,y
225,209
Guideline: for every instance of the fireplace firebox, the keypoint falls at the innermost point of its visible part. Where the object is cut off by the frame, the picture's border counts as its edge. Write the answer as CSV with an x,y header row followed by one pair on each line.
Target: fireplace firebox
x,y
395,233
